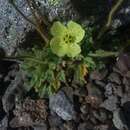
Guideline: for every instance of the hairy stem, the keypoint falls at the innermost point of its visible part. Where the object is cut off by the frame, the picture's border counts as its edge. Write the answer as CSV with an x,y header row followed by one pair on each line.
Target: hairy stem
x,y
37,20
32,23
42,17
110,17
104,55
21,58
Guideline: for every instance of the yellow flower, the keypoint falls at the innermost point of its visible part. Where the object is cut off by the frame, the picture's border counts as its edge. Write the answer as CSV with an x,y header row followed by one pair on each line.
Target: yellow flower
x,y
66,39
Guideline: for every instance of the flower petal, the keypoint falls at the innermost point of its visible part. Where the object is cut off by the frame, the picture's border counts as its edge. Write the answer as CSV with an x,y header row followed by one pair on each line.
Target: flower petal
x,y
58,29
58,46
73,50
76,30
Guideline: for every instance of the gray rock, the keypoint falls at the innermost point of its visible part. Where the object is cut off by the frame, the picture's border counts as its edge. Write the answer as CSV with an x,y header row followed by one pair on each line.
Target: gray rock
x,y
123,63
60,104
14,91
54,120
125,98
96,75
81,91
60,10
69,92
102,127
54,128
128,74
118,120
94,90
114,89
69,126
108,89
126,81
100,83
115,78
118,90
24,120
13,27
100,115
4,123
126,112
85,126
84,109
43,127
110,103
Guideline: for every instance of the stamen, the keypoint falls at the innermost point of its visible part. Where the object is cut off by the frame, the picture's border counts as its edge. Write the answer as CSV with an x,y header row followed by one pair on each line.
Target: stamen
x,y
68,39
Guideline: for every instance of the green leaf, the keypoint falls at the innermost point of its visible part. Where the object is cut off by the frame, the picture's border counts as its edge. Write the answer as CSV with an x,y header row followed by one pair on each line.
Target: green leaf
x,y
43,91
90,63
61,76
56,84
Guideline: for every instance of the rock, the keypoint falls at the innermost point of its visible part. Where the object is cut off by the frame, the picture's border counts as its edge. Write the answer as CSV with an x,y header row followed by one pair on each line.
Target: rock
x,y
2,53
108,89
69,126
30,113
110,103
118,90
4,123
93,90
68,92
96,75
100,115
115,78
11,73
14,90
128,74
100,83
118,120
93,120
54,120
81,91
94,97
125,98
126,111
61,10
126,81
60,104
123,63
43,127
54,128
84,108
24,120
2,112
102,127
84,117
13,27
113,89
85,126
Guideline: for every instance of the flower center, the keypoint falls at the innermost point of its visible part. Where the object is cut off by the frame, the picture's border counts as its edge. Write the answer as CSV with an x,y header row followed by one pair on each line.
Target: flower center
x,y
68,39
